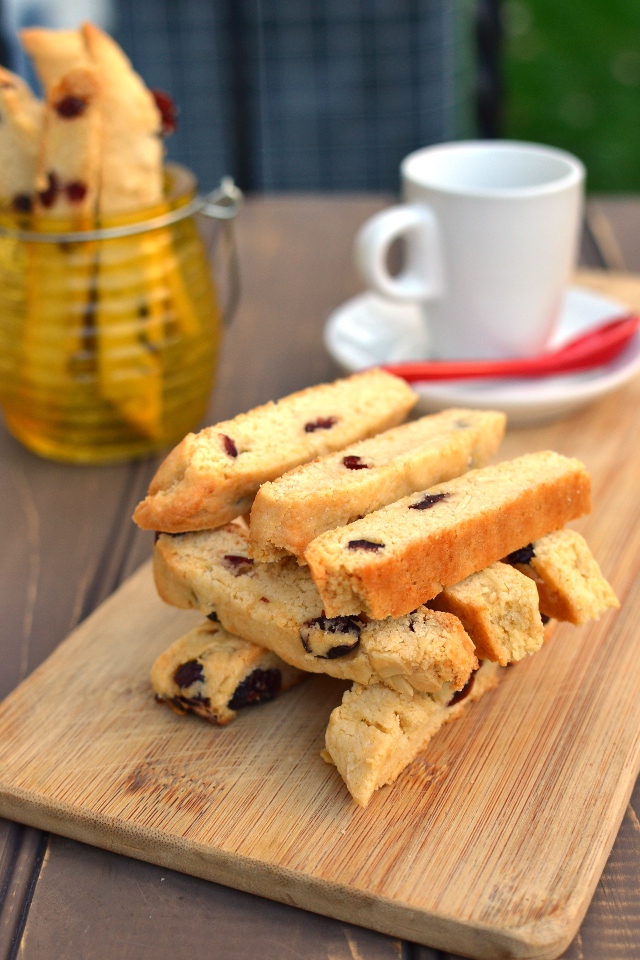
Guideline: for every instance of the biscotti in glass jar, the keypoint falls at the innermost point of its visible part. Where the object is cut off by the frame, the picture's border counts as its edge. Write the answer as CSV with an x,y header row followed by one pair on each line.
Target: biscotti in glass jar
x,y
108,335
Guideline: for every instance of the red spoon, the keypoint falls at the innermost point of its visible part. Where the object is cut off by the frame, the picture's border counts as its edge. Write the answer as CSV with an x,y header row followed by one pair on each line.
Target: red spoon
x,y
591,349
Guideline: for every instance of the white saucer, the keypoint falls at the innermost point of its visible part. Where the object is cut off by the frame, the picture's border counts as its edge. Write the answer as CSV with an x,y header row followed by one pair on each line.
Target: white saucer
x,y
369,330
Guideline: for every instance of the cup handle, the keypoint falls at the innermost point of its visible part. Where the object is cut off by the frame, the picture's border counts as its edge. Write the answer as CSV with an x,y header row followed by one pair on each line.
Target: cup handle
x,y
422,275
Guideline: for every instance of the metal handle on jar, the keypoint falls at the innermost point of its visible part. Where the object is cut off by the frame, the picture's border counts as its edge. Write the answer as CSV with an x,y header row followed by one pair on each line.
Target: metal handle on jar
x,y
223,204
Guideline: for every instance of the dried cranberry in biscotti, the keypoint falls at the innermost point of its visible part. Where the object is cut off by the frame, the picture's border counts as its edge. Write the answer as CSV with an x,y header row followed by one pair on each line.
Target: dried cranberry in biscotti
x,y
322,423
428,501
365,545
188,673
22,203
76,191
49,196
330,637
354,463
168,111
523,555
259,687
229,445
237,565
71,107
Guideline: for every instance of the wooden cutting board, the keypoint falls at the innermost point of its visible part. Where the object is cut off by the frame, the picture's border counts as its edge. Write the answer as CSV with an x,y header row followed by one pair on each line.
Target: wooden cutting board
x,y
489,845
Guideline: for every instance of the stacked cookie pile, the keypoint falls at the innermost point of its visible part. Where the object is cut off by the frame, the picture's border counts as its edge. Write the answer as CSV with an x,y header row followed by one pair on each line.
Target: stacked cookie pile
x,y
318,536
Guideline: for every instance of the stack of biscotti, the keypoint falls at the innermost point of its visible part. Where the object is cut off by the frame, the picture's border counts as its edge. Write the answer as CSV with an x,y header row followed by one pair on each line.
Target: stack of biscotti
x,y
391,556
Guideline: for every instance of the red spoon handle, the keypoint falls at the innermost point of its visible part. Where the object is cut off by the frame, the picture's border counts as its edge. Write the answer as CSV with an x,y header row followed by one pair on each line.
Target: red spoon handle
x,y
591,349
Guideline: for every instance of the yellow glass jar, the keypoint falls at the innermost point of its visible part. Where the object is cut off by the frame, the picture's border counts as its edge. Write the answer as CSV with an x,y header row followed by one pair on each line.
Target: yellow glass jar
x,y
108,335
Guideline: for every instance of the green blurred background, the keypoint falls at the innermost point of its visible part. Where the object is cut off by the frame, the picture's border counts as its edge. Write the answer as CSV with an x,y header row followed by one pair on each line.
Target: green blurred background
x,y
572,71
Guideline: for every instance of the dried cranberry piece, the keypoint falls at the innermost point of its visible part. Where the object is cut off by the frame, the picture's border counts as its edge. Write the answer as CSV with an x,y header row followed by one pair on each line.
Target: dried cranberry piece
x,y
168,111
364,545
76,191
70,107
464,693
229,445
259,687
428,501
237,565
322,423
354,463
523,555
315,636
265,600
48,197
22,203
188,673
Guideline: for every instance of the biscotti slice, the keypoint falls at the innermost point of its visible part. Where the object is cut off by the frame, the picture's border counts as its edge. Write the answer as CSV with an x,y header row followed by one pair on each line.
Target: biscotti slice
x,y
68,171
54,52
376,732
68,176
498,607
403,555
212,477
214,674
132,148
290,512
567,577
277,606
20,130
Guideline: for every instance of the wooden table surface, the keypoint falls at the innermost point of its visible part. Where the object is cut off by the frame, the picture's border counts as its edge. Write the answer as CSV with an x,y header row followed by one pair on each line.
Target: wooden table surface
x,y
68,542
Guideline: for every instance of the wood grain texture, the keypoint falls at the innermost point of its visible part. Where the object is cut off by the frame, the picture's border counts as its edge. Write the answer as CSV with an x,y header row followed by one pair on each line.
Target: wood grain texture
x,y
296,266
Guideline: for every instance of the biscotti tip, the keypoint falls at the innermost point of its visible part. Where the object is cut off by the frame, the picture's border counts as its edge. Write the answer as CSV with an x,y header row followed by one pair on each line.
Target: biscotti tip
x,y
212,477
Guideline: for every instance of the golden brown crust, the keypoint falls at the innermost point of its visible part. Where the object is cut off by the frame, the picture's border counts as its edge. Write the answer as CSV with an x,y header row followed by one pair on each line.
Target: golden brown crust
x,y
568,579
212,477
481,517
291,511
498,607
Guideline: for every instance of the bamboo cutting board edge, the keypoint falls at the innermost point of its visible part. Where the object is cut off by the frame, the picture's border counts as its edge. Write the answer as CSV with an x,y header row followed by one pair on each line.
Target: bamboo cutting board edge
x,y
545,938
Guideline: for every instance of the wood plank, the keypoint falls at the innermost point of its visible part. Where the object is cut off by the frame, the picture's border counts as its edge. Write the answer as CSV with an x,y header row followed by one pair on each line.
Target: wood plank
x,y
143,912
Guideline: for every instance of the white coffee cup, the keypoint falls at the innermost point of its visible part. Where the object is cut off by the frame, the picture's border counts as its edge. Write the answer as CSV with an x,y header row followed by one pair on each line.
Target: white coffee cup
x,y
491,232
